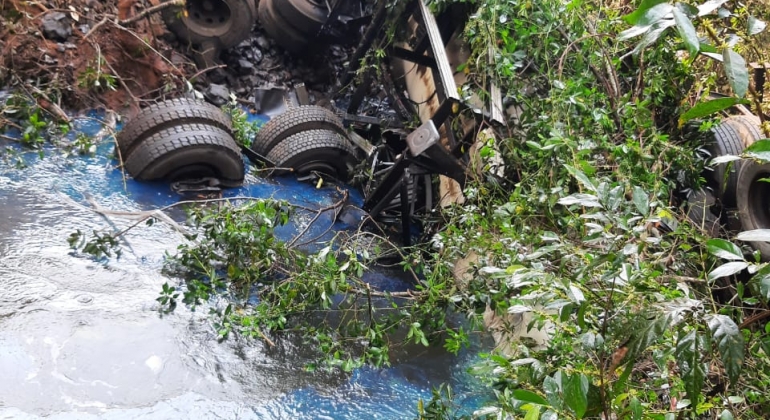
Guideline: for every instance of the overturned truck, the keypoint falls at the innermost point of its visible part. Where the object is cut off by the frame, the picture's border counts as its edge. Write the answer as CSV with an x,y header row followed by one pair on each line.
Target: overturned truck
x,y
407,159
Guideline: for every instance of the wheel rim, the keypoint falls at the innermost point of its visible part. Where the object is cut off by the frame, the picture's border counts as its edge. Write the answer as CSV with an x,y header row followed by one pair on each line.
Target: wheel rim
x,y
189,172
212,17
759,200
318,166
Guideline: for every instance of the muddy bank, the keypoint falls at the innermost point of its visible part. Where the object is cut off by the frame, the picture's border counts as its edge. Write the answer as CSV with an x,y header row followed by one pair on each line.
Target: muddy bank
x,y
115,55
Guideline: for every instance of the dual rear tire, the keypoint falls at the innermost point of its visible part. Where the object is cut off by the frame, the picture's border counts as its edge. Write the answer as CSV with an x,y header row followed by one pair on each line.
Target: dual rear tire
x,y
310,140
185,139
181,139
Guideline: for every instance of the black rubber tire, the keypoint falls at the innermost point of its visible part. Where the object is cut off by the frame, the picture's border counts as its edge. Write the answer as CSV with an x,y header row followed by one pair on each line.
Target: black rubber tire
x,y
753,201
304,15
165,114
323,151
226,28
188,151
730,137
281,31
700,214
294,120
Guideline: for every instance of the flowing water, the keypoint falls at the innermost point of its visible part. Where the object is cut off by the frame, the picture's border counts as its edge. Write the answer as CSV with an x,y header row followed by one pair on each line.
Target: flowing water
x,y
83,339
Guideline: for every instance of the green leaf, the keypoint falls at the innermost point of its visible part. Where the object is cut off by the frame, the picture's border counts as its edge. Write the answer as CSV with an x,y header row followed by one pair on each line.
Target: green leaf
x,y
648,335
687,10
688,358
756,235
632,32
549,415
755,25
641,201
703,109
581,177
728,269
647,11
552,388
529,396
726,415
763,278
686,31
576,394
759,150
710,6
729,342
636,409
724,159
533,413
724,249
653,34
585,200
737,73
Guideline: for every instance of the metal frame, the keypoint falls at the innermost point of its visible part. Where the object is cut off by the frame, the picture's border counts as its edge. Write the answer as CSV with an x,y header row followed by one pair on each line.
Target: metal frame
x,y
424,155
435,158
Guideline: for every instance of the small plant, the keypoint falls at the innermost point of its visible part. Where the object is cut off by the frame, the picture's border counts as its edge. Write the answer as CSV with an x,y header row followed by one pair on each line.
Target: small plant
x,y
243,129
82,145
33,123
94,78
34,130
102,245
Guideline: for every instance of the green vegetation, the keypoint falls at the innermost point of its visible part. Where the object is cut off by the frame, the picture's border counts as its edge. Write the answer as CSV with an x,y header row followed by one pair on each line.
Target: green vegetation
x,y
583,239
592,243
93,77
243,130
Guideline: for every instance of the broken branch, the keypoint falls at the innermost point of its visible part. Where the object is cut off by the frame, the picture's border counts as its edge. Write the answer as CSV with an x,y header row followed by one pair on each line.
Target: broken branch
x,y
151,10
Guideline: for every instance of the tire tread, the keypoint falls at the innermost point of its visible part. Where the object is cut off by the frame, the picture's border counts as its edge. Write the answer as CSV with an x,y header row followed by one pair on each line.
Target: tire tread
x,y
729,141
298,145
179,137
166,114
293,121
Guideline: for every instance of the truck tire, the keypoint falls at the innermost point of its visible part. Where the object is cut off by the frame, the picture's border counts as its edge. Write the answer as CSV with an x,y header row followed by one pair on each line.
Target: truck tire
x,y
166,114
281,31
315,151
188,151
730,137
753,201
293,121
224,23
307,16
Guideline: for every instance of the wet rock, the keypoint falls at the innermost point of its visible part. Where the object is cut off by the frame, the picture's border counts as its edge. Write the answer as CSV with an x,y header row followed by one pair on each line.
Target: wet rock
x,y
263,42
217,94
56,26
254,55
252,81
245,67
217,75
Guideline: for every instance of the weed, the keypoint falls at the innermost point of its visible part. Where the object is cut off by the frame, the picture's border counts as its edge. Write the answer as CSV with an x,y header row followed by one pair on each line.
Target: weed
x,y
243,129
95,78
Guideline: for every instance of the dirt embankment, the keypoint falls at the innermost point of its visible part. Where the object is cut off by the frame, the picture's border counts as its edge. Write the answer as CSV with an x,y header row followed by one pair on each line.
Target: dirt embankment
x,y
87,52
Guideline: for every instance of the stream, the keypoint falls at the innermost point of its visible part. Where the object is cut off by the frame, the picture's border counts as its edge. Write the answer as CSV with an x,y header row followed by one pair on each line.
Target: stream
x,y
83,339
